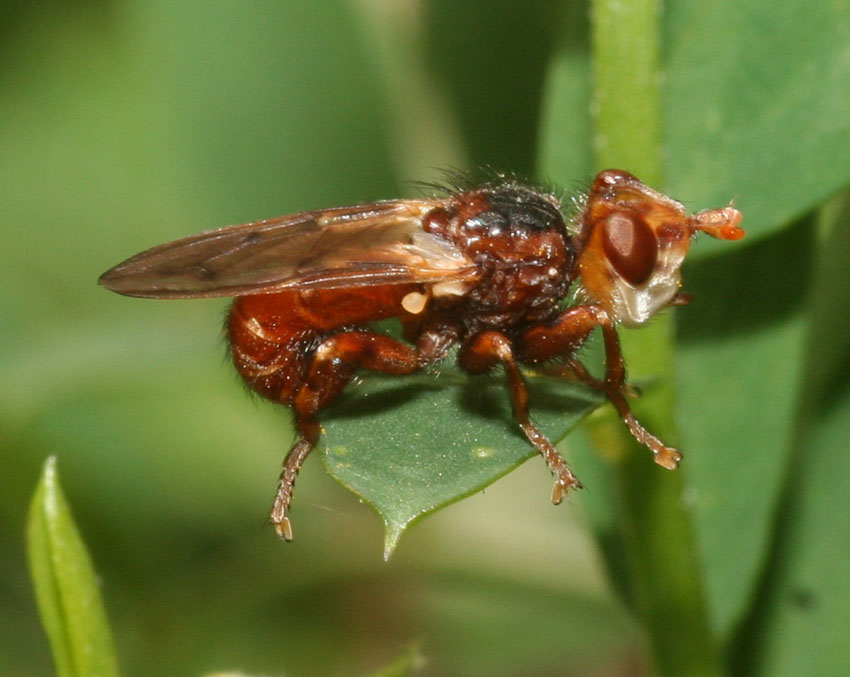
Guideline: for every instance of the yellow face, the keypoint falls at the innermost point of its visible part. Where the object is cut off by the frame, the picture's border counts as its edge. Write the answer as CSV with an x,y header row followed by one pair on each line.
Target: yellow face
x,y
633,241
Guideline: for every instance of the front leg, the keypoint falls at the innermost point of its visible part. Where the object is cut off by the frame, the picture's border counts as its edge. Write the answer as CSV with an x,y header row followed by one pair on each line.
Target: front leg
x,y
564,337
479,354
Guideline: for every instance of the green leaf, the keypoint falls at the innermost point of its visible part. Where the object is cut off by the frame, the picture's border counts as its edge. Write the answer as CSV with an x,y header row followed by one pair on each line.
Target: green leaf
x,y
566,129
756,106
738,384
800,618
409,446
752,119
66,585
745,117
803,618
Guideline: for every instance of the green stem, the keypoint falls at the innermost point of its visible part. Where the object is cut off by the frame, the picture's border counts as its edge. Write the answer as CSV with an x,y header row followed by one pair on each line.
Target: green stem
x,y
662,562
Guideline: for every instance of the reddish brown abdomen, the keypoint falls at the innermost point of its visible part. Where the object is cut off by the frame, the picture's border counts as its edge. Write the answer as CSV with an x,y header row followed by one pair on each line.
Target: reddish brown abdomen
x,y
273,336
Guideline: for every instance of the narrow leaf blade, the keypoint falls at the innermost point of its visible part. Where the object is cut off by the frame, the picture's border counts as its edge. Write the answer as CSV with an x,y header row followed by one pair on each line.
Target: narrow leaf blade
x,y
66,585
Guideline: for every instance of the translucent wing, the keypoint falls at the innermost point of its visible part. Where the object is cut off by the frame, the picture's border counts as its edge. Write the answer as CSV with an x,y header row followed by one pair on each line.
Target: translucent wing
x,y
363,245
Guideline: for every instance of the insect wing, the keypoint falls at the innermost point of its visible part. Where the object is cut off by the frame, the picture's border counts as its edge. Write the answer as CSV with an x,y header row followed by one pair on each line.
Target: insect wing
x,y
363,245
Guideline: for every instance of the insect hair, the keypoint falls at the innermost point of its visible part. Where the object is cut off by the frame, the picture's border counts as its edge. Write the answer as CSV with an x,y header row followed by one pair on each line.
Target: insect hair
x,y
571,201
455,180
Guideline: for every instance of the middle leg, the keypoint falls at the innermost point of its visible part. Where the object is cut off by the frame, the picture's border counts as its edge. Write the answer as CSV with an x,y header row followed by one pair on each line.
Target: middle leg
x,y
489,348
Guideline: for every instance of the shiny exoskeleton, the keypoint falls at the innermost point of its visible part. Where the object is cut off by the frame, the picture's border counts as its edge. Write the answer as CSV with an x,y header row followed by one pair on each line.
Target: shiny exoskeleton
x,y
488,269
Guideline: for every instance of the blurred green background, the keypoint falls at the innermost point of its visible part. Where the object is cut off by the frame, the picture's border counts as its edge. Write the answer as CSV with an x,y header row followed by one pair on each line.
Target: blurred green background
x,y
126,124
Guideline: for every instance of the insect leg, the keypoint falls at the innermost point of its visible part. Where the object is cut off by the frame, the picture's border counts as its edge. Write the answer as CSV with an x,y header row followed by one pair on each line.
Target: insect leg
x,y
333,364
572,368
291,466
543,343
615,376
481,353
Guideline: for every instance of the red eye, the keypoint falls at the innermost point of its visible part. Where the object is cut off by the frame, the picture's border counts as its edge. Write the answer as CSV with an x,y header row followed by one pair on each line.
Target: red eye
x,y
630,246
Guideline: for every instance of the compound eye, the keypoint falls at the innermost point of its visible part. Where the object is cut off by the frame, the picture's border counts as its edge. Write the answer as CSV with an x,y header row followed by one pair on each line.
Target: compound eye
x,y
630,246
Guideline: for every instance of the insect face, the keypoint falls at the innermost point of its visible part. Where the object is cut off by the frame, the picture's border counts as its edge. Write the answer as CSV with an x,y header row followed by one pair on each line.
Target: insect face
x,y
634,240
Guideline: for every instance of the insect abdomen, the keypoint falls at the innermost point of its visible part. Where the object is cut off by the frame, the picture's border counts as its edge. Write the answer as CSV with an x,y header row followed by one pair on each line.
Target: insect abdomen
x,y
273,337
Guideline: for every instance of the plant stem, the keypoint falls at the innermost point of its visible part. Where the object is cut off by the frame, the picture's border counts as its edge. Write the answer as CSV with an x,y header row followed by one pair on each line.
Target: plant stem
x,y
662,567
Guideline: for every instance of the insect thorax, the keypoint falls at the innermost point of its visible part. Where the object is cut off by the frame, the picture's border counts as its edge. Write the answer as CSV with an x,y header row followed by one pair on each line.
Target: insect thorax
x,y
518,240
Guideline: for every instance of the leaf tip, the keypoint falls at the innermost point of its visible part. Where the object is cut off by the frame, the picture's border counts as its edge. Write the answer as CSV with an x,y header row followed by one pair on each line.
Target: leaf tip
x,y
49,468
392,534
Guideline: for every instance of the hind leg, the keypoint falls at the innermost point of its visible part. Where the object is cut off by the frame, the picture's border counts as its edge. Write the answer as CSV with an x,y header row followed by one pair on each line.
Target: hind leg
x,y
333,365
